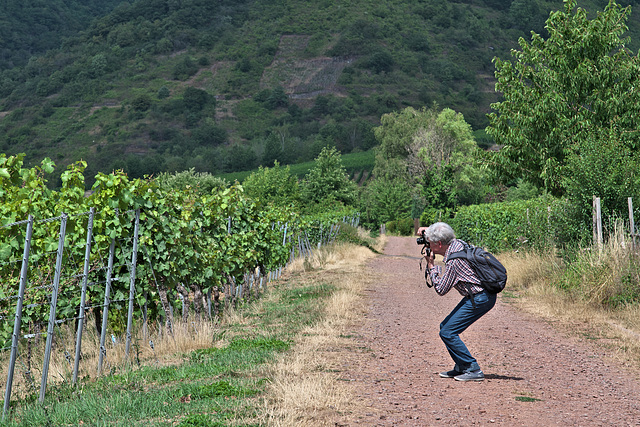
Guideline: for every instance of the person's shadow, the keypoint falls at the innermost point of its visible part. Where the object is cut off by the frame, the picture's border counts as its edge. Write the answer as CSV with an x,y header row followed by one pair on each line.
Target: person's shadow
x,y
502,377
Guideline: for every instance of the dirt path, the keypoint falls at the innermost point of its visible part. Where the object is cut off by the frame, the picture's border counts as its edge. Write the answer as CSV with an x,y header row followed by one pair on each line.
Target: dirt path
x,y
400,353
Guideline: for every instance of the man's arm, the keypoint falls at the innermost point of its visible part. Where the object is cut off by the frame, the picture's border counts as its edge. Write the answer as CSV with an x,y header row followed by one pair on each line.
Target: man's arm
x,y
443,283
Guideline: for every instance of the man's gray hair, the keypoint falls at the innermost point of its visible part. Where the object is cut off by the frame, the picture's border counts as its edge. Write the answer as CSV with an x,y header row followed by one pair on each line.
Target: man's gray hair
x,y
440,232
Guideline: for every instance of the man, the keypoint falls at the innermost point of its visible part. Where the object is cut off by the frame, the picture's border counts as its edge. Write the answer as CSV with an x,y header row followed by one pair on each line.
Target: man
x,y
475,302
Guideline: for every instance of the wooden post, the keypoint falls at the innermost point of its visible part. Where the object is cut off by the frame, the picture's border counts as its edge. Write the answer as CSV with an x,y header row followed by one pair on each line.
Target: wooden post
x,y
416,225
216,301
632,227
550,239
597,223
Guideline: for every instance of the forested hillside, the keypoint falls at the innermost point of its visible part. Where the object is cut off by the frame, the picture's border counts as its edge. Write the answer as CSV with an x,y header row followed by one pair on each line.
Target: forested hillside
x,y
165,85
32,27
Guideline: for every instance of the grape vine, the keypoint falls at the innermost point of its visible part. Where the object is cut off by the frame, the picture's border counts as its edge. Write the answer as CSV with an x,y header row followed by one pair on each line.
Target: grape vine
x,y
190,243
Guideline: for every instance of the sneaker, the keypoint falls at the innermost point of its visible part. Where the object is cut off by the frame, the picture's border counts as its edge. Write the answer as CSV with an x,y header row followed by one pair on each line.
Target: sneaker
x,y
470,376
450,374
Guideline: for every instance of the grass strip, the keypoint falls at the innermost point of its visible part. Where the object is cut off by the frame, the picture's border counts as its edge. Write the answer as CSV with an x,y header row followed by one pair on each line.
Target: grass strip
x,y
216,386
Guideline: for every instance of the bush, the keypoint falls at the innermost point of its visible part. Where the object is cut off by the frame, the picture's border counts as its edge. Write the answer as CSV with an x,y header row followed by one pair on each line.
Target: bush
x,y
390,226
163,92
510,225
379,61
431,215
405,227
185,69
350,234
141,103
607,278
196,99
209,134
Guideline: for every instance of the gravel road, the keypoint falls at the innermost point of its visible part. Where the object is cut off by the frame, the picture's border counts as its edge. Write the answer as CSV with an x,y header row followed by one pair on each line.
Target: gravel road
x,y
535,375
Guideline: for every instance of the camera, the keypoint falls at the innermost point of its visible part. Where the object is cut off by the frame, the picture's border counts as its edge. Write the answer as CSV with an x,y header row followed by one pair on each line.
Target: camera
x,y
426,252
426,249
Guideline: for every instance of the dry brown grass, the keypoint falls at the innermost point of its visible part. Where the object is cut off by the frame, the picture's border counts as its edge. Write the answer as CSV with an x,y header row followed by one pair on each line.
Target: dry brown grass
x,y
306,388
167,350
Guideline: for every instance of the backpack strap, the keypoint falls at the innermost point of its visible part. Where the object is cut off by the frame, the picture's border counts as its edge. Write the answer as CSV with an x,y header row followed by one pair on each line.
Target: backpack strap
x,y
467,286
464,255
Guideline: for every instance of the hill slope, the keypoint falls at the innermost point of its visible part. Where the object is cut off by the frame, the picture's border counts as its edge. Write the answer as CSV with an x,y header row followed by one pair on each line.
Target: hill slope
x,y
159,85
31,27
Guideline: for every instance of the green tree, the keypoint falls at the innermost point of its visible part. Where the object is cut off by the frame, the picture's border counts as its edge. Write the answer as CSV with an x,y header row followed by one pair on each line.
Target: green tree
x,y
239,158
385,200
395,135
196,99
327,181
273,185
606,166
434,152
380,61
203,183
445,154
526,15
272,149
98,65
209,134
163,92
277,98
185,68
141,102
567,98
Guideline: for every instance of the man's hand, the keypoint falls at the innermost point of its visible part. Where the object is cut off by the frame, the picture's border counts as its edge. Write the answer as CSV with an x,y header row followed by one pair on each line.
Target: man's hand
x,y
430,260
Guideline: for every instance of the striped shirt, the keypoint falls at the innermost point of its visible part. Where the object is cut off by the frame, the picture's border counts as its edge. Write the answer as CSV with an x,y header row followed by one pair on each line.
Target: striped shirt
x,y
458,272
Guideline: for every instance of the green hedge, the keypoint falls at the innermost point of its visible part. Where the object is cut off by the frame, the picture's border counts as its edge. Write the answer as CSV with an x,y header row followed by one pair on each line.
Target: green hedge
x,y
535,223
401,227
510,225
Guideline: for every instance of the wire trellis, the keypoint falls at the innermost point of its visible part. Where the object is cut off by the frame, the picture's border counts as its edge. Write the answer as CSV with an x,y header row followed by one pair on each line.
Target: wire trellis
x,y
86,274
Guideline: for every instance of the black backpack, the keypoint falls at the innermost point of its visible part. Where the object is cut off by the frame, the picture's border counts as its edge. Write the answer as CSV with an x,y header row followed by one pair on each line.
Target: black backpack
x,y
492,274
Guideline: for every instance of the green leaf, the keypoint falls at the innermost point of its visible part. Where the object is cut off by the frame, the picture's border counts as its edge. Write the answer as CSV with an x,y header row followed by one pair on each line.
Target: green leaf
x,y
5,252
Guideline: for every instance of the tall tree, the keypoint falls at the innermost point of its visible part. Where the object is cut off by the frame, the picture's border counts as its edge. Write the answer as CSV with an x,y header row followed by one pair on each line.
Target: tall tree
x,y
564,97
273,150
385,200
327,181
434,152
273,185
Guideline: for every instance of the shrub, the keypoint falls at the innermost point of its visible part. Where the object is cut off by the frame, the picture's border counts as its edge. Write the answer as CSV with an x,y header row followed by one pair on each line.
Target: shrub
x,y
196,99
185,69
606,278
390,226
209,134
163,92
405,226
509,225
379,61
141,103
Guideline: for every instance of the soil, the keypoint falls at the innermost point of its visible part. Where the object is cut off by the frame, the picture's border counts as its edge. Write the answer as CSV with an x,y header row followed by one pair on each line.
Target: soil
x,y
536,374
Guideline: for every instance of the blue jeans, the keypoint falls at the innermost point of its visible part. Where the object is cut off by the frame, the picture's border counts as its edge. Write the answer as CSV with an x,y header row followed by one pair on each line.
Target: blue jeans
x,y
458,321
